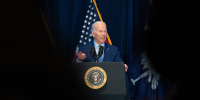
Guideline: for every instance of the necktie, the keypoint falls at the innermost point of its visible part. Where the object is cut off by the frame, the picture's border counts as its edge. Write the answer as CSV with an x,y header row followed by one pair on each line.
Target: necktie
x,y
100,58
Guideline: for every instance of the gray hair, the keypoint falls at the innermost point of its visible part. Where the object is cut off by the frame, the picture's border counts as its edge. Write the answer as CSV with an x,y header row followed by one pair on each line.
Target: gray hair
x,y
97,22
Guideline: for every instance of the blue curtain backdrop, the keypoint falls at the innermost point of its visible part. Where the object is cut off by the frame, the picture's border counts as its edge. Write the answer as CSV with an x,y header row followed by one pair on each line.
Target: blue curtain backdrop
x,y
125,19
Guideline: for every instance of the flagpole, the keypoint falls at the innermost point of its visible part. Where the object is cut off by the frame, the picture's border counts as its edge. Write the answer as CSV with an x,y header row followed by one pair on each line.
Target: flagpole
x,y
108,37
48,31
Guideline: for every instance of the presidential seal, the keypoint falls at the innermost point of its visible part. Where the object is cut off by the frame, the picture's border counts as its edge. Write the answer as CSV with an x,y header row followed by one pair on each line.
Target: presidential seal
x,y
95,77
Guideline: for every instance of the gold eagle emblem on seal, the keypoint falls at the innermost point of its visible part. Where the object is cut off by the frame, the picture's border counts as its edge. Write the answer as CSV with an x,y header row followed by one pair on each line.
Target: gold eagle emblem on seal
x,y
95,77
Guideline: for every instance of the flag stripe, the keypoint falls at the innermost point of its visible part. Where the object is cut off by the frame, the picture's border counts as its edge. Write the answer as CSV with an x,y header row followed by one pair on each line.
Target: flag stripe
x,y
108,40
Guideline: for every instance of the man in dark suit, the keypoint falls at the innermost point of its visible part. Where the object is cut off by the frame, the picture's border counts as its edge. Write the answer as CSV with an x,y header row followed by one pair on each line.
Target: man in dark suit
x,y
110,52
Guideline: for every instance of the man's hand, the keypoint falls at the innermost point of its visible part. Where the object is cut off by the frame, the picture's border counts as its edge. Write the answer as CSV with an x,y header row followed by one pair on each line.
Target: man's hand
x,y
126,67
81,56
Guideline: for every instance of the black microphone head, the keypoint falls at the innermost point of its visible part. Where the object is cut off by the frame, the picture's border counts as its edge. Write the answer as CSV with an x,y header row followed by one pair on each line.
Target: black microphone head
x,y
101,50
92,52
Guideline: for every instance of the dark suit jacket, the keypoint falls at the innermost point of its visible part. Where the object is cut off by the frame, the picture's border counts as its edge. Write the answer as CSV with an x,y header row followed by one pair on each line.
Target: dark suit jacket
x,y
111,53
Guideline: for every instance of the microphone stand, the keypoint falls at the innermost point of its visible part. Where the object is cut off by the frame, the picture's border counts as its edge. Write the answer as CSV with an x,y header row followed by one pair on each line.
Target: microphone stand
x,y
94,55
99,54
96,58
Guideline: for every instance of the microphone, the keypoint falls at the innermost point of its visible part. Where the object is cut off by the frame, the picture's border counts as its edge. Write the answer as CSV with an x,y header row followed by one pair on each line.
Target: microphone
x,y
93,53
100,51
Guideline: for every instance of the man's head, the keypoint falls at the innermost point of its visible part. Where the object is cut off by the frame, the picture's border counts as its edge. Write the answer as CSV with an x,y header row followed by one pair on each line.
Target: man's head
x,y
99,32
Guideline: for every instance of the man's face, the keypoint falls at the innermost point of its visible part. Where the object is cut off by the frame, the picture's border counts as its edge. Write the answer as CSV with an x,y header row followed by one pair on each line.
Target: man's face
x,y
99,33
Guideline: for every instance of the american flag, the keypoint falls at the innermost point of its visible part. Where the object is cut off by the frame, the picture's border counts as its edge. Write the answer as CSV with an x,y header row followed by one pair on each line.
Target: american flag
x,y
92,16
